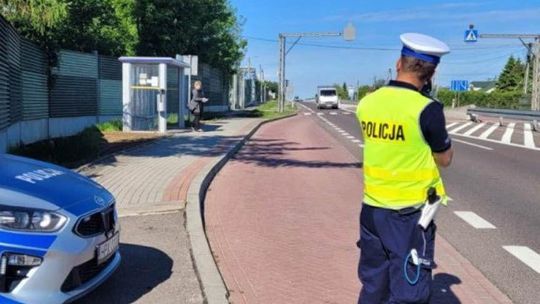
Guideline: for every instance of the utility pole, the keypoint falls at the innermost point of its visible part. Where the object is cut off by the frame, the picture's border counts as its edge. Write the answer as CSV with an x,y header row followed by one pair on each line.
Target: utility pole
x,y
535,101
263,94
349,34
534,50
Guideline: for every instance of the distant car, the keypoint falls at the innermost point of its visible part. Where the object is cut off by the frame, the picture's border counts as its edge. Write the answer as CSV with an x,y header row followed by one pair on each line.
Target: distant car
x,y
296,99
59,233
327,97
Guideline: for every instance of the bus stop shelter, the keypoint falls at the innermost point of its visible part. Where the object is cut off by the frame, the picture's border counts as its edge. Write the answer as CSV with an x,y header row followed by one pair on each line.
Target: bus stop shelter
x,y
152,93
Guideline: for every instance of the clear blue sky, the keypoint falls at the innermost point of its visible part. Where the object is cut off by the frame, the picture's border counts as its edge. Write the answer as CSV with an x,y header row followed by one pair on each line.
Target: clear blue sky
x,y
379,24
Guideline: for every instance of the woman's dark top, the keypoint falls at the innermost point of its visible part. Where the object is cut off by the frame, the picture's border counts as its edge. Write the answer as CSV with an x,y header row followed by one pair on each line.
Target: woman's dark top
x,y
196,103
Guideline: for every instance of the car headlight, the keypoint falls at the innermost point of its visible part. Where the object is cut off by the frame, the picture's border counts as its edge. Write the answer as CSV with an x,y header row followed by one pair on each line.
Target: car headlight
x,y
30,220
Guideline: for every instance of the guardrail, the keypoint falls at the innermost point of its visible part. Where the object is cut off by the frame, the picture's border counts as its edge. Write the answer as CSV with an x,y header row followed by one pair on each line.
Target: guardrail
x,y
533,116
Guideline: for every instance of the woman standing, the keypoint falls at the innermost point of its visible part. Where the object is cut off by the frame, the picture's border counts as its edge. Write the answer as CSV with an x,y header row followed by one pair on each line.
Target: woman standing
x,y
196,105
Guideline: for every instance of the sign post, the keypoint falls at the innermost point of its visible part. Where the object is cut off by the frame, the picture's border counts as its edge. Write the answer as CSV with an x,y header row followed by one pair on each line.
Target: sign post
x,y
459,86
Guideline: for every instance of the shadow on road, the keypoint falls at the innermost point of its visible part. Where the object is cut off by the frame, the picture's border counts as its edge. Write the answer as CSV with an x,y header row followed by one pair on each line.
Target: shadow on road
x,y
142,269
442,289
277,153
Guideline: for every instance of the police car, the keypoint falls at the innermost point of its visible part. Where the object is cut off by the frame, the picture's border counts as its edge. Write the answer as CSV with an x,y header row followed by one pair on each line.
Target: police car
x,y
59,236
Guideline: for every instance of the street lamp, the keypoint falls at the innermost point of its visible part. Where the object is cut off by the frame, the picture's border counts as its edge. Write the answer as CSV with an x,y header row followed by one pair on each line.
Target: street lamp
x,y
348,34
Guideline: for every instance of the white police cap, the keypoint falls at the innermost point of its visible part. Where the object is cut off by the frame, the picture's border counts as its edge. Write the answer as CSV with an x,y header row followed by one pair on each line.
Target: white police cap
x,y
423,47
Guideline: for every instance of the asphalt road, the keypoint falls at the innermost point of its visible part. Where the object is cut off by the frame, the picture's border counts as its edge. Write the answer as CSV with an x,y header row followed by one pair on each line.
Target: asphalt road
x,y
499,184
156,264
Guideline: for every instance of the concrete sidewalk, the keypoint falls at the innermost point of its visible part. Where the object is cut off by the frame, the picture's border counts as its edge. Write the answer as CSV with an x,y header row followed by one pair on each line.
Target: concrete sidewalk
x,y
151,184
288,234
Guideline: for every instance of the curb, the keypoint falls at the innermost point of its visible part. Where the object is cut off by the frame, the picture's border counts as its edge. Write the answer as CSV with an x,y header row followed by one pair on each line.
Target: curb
x,y
212,284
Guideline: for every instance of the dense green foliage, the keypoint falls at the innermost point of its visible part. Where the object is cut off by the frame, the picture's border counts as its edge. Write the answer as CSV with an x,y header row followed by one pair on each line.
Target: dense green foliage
x,y
496,99
207,28
342,91
363,91
512,77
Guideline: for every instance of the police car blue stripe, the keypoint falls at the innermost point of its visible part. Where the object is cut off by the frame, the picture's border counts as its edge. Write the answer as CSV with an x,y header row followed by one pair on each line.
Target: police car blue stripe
x,y
5,300
33,240
19,250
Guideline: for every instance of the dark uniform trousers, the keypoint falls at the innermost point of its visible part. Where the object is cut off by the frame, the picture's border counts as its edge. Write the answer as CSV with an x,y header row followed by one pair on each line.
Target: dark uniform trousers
x,y
386,238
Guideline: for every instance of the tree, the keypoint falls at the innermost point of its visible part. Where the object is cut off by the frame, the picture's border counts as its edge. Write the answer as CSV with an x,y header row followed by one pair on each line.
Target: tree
x,y
95,25
363,91
83,25
512,76
207,28
342,91
37,20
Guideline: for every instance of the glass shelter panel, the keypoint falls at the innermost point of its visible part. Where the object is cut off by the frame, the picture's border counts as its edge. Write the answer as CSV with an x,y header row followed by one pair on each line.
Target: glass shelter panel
x,y
144,90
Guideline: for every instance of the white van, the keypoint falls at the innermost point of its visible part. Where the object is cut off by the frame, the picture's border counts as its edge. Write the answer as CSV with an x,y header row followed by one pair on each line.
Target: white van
x,y
327,97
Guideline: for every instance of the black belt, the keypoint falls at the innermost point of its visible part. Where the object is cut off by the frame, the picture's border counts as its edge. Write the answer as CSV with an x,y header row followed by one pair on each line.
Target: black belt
x,y
409,210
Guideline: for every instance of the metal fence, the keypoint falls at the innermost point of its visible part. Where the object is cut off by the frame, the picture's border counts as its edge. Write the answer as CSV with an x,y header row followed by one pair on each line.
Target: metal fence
x,y
83,89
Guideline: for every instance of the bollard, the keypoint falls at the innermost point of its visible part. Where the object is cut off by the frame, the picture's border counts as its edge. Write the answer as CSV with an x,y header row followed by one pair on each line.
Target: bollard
x,y
501,122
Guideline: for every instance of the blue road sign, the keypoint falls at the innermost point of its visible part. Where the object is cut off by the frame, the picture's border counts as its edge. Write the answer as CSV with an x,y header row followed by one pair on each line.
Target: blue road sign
x,y
471,35
459,85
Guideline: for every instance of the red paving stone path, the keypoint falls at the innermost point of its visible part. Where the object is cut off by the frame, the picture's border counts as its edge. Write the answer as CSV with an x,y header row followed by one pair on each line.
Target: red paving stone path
x,y
282,220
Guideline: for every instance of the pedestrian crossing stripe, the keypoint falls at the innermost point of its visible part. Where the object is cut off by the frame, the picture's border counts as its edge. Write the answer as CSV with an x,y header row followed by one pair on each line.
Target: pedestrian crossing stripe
x,y
485,131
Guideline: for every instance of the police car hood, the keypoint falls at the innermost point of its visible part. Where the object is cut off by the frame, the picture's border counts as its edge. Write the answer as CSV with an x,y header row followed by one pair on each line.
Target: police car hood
x,y
29,183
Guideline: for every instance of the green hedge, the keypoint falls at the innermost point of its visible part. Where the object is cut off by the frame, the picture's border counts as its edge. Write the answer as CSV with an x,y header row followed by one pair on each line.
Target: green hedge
x,y
506,100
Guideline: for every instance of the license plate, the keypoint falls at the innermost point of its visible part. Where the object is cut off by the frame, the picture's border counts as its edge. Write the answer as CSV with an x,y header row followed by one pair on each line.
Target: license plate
x,y
106,249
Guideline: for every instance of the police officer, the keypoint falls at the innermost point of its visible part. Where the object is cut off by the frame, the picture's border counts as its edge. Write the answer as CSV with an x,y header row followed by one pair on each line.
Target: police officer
x,y
405,143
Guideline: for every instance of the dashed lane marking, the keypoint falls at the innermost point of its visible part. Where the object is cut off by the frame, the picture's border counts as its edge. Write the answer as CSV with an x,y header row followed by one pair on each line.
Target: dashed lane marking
x,y
320,114
356,141
448,126
350,137
307,113
525,255
333,113
474,220
488,132
474,129
472,144
528,136
454,131
507,136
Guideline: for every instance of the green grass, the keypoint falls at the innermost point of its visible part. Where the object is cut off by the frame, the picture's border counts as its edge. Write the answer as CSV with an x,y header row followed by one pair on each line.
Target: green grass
x,y
269,110
110,126
69,151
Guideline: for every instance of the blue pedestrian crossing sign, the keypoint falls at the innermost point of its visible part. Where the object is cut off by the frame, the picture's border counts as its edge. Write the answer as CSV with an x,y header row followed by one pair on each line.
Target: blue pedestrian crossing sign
x,y
471,35
459,85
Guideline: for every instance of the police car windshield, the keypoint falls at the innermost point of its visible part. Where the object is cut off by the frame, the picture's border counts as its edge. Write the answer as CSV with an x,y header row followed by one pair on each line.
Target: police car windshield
x,y
328,92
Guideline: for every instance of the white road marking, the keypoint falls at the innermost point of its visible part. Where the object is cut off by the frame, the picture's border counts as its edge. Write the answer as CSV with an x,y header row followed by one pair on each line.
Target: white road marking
x,y
474,129
333,113
474,220
472,144
488,132
525,255
528,135
350,137
499,142
307,113
361,145
320,114
507,136
356,141
448,126
449,198
463,126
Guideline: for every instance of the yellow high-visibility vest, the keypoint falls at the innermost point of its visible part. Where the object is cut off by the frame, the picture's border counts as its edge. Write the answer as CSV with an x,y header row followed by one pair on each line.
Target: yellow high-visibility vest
x,y
398,163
